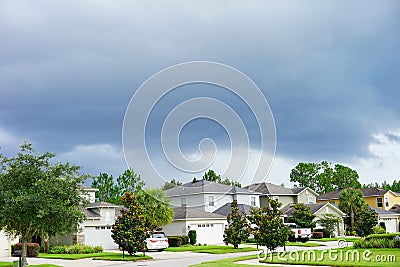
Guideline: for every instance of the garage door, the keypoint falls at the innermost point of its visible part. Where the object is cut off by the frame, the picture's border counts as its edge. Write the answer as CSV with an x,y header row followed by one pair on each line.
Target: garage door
x,y
99,236
391,225
209,233
3,245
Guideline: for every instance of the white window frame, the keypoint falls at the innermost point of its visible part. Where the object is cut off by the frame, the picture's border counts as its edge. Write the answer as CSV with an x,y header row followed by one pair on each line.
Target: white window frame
x,y
183,202
211,201
253,201
311,200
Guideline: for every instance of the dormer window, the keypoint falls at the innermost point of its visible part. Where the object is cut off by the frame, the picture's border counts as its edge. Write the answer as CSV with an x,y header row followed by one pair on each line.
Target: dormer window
x,y
211,201
310,200
183,201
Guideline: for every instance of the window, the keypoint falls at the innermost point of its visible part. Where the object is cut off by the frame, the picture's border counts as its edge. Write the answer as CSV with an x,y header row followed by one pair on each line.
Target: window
x,y
386,202
211,201
183,201
252,201
107,219
310,200
379,202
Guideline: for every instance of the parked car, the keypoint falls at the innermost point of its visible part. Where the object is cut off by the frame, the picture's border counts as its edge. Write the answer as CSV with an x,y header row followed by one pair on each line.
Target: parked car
x,y
300,234
157,241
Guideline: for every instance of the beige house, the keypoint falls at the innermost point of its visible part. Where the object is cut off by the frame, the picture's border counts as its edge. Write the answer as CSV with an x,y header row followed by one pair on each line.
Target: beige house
x,y
283,194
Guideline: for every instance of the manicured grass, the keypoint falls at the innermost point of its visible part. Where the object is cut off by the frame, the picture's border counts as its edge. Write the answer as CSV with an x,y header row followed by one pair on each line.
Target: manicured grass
x,y
227,262
9,264
112,256
210,249
340,257
348,239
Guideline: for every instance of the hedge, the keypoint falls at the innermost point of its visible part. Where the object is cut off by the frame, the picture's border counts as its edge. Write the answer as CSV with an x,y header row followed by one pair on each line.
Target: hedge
x,y
387,236
75,249
378,241
32,249
174,241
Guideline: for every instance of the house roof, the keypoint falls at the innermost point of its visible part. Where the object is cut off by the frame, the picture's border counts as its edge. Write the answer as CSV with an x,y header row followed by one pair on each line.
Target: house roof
x,y
273,189
88,188
395,208
314,208
367,192
203,186
227,209
101,205
90,214
183,213
384,212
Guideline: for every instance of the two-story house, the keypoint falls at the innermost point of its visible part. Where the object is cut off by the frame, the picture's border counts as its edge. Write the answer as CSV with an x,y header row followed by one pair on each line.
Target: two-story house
x,y
374,197
210,196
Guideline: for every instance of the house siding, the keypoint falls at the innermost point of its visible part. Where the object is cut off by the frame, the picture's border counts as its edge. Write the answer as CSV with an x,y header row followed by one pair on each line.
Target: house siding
x,y
303,196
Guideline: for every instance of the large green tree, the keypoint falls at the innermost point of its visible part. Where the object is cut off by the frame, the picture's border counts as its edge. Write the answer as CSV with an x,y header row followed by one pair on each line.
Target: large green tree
x,y
302,216
323,178
129,229
111,190
212,176
270,232
238,230
156,207
108,190
171,184
39,197
351,201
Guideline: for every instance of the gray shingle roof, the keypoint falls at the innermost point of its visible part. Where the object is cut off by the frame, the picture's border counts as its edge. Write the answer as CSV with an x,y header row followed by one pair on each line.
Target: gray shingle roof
x,y
289,209
383,212
395,208
203,186
227,209
367,192
182,213
101,204
90,214
271,189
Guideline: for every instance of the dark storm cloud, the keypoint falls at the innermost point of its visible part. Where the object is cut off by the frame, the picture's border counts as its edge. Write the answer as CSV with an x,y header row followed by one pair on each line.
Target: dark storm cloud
x,y
329,69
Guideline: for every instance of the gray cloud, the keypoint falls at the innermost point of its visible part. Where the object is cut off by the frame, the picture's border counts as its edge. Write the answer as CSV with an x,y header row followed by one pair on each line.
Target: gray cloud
x,y
329,69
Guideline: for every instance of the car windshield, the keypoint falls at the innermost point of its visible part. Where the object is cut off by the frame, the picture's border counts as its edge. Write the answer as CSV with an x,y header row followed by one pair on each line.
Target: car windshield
x,y
158,235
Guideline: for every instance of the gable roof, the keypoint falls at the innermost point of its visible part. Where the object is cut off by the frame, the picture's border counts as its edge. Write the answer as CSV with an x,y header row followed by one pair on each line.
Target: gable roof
x,y
395,208
184,213
273,189
203,186
314,208
90,214
384,212
227,209
101,205
367,192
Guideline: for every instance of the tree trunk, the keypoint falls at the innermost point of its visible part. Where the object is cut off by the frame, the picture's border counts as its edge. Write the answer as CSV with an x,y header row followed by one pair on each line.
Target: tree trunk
x,y
24,263
352,219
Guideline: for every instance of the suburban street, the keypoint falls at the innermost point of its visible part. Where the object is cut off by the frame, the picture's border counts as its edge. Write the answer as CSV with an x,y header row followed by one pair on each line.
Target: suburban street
x,y
164,258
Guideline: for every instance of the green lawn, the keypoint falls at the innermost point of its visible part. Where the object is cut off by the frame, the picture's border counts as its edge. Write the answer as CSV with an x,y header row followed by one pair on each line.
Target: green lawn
x,y
9,264
341,257
210,249
113,256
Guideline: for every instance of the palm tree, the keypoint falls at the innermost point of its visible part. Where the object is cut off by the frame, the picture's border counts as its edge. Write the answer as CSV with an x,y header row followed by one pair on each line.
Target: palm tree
x,y
351,201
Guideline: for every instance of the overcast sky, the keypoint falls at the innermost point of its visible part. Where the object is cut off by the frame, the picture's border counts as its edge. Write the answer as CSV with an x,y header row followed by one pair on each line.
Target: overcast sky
x,y
330,71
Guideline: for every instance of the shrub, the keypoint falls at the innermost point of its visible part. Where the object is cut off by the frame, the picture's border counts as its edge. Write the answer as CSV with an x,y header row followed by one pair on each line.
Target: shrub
x,y
378,230
174,241
75,249
317,235
185,239
192,237
32,249
388,236
378,241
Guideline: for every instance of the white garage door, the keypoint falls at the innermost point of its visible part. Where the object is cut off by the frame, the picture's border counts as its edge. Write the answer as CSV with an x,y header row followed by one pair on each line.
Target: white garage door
x,y
209,233
3,245
97,236
391,225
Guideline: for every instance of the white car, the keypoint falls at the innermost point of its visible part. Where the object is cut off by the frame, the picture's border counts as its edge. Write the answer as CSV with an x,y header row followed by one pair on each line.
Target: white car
x,y
157,241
